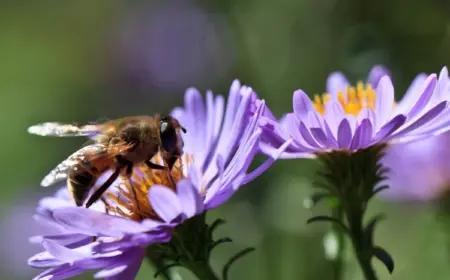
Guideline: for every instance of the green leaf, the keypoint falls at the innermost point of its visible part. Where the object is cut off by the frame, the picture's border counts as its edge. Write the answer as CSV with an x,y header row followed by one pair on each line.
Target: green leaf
x,y
384,257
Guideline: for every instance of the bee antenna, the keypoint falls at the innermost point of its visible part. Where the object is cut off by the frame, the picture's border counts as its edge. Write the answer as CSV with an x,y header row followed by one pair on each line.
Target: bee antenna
x,y
183,129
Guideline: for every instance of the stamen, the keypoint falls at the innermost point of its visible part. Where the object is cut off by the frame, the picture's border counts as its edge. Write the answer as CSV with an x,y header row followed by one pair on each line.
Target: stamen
x,y
132,201
352,100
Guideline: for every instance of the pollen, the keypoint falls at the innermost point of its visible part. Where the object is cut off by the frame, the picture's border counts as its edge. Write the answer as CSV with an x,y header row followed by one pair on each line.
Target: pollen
x,y
353,100
131,201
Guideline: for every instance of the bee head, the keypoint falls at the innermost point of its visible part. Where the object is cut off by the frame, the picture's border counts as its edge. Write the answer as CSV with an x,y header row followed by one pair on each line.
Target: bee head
x,y
169,131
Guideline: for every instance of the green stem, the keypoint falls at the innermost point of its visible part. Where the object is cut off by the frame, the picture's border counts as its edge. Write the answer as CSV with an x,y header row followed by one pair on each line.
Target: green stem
x,y
202,270
338,262
364,261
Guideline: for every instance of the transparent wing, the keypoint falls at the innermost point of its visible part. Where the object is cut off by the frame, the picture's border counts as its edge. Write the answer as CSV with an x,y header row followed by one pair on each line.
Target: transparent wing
x,y
64,130
59,173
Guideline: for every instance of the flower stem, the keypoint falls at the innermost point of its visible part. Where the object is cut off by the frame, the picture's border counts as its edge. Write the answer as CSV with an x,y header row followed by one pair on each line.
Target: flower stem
x,y
353,178
366,266
338,262
202,270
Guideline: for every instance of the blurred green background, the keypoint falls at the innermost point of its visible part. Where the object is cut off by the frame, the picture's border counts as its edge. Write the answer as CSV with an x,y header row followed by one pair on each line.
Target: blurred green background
x,y
90,60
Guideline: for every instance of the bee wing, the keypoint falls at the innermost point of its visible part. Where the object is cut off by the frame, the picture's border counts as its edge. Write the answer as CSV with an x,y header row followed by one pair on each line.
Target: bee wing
x,y
59,173
64,130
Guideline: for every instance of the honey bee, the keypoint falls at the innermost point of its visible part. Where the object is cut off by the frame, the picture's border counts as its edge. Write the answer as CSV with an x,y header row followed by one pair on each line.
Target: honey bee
x,y
118,145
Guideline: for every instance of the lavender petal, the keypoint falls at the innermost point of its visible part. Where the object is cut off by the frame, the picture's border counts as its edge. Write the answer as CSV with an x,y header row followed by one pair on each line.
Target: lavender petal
x,y
376,73
94,223
165,203
336,82
190,198
389,128
363,135
344,134
384,101
302,104
428,89
61,272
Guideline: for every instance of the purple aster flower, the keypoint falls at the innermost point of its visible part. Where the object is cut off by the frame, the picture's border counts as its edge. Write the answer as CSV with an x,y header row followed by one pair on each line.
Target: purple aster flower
x,y
219,147
430,156
353,118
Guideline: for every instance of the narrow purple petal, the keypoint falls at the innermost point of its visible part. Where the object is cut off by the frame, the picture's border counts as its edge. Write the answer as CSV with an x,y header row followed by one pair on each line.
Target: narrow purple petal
x,y
307,136
263,167
61,272
43,260
165,203
321,137
135,262
376,73
385,100
89,222
111,271
293,127
63,253
190,198
302,104
389,128
344,134
428,89
334,113
363,135
411,95
428,116
60,238
336,82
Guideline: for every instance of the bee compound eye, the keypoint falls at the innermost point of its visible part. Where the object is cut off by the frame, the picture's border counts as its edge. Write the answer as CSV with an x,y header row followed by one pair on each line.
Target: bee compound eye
x,y
163,126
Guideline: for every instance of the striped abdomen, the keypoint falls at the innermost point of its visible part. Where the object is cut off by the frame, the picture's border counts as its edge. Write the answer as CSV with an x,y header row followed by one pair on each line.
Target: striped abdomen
x,y
80,180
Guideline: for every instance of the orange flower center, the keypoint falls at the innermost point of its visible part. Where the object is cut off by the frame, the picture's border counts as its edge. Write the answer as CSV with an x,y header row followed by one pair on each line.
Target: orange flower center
x,y
363,96
132,201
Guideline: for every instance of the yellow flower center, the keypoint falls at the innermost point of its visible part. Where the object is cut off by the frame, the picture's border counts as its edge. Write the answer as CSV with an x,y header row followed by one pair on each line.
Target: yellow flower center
x,y
132,201
353,101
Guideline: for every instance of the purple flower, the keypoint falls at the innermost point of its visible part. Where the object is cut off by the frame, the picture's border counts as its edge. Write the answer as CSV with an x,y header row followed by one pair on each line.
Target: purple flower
x,y
353,118
431,157
219,147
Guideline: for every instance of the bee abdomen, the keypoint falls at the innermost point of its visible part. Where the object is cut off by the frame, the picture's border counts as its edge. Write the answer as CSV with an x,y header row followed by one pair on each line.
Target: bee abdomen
x,y
80,181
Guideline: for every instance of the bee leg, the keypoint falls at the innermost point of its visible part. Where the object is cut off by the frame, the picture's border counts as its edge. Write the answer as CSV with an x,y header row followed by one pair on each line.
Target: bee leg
x,y
99,192
160,167
129,172
154,165
106,205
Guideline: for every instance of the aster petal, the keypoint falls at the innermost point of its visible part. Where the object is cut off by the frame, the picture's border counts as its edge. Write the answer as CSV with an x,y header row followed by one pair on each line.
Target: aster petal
x,y
334,113
376,73
363,135
411,95
94,223
63,253
336,82
292,124
384,100
190,198
428,89
428,116
126,268
61,272
321,137
344,134
165,202
59,238
302,104
367,113
389,128
306,134
263,167
43,260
